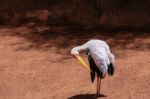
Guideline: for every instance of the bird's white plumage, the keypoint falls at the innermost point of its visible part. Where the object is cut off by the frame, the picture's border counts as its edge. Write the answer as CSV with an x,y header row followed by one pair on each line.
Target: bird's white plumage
x,y
100,52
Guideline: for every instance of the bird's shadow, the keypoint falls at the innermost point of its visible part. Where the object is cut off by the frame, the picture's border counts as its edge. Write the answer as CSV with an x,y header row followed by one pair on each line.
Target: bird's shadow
x,y
86,96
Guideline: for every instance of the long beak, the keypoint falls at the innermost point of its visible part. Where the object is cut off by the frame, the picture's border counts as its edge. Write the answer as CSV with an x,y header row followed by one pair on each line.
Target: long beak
x,y
83,62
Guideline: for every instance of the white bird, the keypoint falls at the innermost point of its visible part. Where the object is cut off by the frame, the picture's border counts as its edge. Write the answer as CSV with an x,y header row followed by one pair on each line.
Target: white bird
x,y
101,60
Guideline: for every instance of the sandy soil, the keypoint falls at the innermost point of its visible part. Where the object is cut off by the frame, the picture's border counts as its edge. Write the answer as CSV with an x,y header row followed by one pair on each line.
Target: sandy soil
x,y
34,68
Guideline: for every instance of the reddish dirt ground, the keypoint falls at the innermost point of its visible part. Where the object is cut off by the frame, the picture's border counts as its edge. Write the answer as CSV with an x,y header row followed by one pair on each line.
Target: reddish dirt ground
x,y
32,69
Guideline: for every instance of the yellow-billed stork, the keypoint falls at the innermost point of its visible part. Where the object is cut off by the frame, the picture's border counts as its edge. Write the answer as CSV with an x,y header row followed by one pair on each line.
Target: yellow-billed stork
x,y
101,60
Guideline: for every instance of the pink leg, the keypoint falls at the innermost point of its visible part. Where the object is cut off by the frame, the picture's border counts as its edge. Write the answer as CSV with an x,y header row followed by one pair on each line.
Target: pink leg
x,y
98,85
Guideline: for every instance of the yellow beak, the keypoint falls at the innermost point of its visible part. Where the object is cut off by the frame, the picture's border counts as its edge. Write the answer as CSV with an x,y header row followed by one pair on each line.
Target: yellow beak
x,y
83,62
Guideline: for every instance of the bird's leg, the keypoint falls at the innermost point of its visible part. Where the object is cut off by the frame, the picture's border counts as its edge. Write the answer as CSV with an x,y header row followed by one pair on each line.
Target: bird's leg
x,y
98,85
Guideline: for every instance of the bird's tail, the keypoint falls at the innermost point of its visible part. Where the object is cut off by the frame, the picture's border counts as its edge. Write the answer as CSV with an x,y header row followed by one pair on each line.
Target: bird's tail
x,y
111,69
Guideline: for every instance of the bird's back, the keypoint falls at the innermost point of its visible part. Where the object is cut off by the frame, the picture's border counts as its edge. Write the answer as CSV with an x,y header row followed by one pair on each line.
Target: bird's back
x,y
99,54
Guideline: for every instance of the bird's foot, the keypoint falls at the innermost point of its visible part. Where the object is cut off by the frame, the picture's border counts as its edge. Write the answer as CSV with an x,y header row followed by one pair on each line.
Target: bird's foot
x,y
98,94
